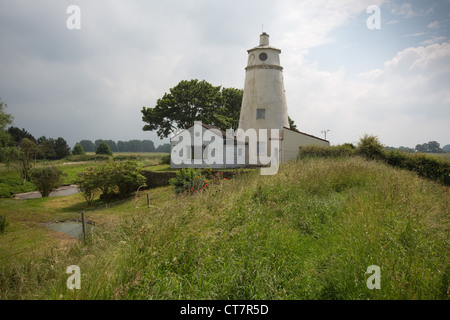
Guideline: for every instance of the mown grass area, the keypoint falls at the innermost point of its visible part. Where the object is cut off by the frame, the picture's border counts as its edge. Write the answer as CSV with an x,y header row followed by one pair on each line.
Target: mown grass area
x,y
309,232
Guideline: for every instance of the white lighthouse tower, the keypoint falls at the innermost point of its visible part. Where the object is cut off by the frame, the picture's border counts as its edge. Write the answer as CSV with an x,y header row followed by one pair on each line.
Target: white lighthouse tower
x,y
264,102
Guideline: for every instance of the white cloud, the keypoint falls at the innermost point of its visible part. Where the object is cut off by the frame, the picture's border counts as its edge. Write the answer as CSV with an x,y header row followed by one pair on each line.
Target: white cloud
x,y
405,10
434,39
434,25
408,93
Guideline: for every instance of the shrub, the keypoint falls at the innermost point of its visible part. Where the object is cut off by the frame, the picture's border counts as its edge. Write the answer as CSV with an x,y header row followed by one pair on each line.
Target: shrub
x,y
370,148
78,150
46,179
88,184
103,148
127,178
190,181
110,179
105,179
165,159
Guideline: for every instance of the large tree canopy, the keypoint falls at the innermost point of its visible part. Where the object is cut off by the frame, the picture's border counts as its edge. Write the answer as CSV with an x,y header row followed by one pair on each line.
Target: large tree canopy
x,y
191,101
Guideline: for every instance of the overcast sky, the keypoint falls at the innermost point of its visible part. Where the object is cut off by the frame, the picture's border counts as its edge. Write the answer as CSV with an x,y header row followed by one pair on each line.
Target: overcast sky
x,y
339,75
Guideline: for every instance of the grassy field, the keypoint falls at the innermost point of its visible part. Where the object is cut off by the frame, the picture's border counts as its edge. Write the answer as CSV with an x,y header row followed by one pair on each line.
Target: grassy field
x,y
309,232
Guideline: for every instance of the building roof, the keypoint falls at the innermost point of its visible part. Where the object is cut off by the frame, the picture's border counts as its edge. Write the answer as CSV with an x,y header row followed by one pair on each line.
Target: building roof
x,y
305,134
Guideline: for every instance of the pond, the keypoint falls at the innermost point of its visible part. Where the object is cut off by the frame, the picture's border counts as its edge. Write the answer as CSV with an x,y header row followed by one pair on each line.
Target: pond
x,y
59,192
72,228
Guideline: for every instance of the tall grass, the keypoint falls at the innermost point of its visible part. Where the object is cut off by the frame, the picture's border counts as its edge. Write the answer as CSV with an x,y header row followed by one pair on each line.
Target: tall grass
x,y
309,232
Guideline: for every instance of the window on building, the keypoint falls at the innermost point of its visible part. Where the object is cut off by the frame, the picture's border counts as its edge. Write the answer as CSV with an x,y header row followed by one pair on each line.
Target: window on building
x,y
260,114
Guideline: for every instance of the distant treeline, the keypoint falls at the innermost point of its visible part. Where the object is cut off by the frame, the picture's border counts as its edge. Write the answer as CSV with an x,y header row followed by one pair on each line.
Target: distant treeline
x,y
125,146
430,147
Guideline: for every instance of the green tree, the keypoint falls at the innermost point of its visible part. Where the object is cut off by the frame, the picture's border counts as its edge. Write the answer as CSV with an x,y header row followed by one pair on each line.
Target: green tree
x,y
446,148
6,141
19,134
187,102
61,148
78,150
88,146
47,147
26,158
232,101
103,148
164,148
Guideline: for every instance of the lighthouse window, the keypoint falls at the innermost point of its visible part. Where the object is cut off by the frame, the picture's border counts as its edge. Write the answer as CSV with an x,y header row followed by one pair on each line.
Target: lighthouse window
x,y
260,114
263,56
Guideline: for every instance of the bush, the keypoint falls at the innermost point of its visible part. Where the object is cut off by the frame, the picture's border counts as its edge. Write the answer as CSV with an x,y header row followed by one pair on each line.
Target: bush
x,y
110,179
370,148
88,184
46,179
128,178
103,148
165,159
190,181
78,150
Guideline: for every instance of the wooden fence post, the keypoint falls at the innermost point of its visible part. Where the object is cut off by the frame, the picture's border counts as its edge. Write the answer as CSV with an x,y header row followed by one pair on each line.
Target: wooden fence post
x,y
84,225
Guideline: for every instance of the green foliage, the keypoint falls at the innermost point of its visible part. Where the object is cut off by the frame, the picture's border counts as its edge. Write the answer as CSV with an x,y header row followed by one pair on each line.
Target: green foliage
x,y
128,178
103,148
110,179
78,150
163,148
292,124
5,118
191,101
165,159
88,184
25,158
430,147
88,146
46,179
3,223
425,166
61,148
190,181
313,151
19,134
370,148
6,141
